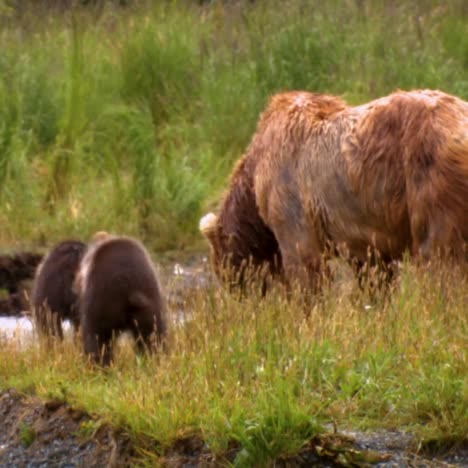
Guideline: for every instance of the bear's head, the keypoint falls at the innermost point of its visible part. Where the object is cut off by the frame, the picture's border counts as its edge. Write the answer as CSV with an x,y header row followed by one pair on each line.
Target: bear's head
x,y
240,251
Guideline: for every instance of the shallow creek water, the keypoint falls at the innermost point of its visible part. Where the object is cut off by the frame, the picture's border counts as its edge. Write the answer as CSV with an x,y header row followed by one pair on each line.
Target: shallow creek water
x,y
178,281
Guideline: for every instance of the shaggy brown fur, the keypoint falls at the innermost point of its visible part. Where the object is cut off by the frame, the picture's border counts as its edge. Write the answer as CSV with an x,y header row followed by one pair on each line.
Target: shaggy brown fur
x,y
391,175
233,258
52,296
118,291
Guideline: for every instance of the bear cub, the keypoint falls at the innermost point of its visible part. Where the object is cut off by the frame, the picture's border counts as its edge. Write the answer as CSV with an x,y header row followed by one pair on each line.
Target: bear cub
x,y
118,291
52,297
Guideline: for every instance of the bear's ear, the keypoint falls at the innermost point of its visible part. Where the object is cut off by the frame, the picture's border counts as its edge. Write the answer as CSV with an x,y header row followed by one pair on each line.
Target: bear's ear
x,y
208,225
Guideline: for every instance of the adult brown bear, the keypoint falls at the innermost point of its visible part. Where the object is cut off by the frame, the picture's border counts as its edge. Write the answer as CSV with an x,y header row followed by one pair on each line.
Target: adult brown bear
x,y
391,175
118,291
52,295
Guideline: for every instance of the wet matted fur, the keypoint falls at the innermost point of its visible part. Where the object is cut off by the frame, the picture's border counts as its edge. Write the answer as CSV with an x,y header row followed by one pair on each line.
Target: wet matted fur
x,y
319,176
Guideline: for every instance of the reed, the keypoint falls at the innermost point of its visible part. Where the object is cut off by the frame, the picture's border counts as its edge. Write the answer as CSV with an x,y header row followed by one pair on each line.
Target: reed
x,y
268,375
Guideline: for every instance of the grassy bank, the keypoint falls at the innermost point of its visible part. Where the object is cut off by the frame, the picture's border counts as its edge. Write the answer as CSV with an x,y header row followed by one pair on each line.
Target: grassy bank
x,y
266,377
129,118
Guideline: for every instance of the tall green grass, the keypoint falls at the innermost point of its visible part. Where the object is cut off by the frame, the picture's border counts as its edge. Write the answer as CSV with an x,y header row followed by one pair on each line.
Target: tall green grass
x,y
129,119
266,377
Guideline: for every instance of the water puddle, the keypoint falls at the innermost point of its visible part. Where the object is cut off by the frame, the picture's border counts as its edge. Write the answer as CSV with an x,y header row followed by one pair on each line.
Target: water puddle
x,y
14,326
180,281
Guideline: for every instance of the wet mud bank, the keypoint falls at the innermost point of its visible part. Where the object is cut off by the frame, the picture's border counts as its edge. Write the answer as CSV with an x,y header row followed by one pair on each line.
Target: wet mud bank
x,y
41,434
37,433
16,273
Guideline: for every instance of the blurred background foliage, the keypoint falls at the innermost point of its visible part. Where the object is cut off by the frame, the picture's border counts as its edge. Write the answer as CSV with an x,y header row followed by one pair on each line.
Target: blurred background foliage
x,y
128,115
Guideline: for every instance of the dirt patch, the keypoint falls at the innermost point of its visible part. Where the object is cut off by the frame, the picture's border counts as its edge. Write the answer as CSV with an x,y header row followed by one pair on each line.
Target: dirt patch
x,y
16,268
16,273
382,449
12,304
36,434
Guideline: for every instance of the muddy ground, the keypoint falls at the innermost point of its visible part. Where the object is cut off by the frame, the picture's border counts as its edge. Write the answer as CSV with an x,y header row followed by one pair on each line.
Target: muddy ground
x,y
36,433
45,434
16,272
40,434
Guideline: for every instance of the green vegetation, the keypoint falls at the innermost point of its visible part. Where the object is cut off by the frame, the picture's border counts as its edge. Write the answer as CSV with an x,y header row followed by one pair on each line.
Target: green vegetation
x,y
27,434
129,118
268,376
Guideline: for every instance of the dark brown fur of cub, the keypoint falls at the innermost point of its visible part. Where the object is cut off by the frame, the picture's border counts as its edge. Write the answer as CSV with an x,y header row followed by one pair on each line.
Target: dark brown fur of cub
x,y
119,291
52,296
